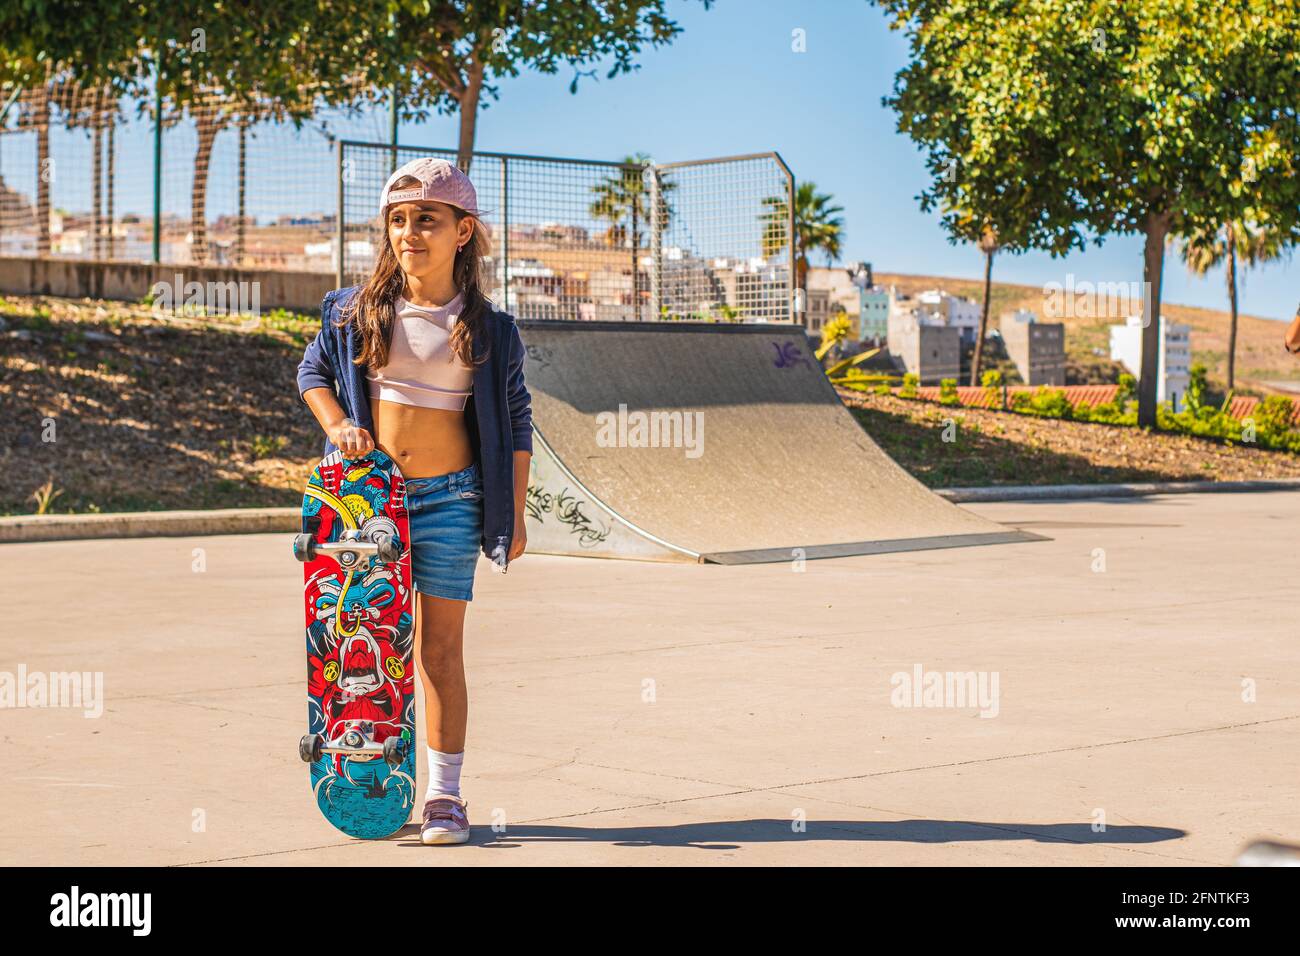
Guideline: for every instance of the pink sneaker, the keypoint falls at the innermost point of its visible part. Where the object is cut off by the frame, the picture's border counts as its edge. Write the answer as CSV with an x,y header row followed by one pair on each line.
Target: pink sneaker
x,y
445,820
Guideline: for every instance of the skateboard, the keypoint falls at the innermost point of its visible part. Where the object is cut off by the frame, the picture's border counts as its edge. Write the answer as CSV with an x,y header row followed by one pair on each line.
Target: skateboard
x,y
355,547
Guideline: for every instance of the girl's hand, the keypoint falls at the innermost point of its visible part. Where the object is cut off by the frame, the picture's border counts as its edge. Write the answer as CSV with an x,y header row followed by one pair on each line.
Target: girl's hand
x,y
352,440
520,539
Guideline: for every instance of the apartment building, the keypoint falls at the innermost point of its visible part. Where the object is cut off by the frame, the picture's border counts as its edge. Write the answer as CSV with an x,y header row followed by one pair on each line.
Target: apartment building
x,y
1036,348
1174,367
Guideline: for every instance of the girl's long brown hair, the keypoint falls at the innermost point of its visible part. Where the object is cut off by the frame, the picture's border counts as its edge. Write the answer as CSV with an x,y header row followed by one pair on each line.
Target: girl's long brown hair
x,y
374,307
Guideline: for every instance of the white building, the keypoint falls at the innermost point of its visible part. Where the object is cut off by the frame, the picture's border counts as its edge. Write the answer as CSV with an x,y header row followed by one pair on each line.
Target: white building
x,y
831,294
1174,368
951,310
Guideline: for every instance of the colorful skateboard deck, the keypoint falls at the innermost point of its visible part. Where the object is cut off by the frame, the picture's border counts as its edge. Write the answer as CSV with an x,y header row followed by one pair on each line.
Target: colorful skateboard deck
x,y
356,552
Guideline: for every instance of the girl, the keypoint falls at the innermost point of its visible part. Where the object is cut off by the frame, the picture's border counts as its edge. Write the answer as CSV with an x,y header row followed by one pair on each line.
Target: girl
x,y
432,373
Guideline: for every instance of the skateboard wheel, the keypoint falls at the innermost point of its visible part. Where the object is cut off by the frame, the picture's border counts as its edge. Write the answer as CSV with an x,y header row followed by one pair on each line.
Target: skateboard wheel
x,y
304,547
309,748
394,751
390,549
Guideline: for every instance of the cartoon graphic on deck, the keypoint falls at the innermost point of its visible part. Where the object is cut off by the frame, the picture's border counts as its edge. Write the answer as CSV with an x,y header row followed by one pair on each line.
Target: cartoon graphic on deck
x,y
360,739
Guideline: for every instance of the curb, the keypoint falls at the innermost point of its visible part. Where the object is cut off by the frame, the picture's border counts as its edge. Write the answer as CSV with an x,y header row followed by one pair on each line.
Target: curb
x,y
1127,490
149,524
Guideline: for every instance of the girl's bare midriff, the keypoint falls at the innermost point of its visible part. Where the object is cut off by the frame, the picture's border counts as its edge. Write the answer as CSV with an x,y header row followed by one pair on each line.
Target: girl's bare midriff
x,y
423,441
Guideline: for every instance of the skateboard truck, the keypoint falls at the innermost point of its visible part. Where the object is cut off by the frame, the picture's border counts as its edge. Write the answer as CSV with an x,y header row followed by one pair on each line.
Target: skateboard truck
x,y
356,740
350,549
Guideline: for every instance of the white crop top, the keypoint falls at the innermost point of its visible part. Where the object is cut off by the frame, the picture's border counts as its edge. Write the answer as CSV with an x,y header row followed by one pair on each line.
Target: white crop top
x,y
422,369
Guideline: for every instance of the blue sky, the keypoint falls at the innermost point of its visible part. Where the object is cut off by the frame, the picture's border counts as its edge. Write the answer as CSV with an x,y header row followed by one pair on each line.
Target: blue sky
x,y
730,84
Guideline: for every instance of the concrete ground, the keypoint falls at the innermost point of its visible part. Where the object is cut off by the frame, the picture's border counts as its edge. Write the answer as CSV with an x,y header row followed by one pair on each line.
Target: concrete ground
x,y
1147,678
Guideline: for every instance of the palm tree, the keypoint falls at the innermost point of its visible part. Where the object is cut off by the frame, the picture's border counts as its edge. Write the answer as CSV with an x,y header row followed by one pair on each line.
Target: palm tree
x,y
774,240
816,226
622,198
1237,240
624,201
35,111
988,244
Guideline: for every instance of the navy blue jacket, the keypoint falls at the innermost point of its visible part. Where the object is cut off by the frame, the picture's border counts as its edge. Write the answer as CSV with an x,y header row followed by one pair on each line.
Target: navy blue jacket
x,y
498,414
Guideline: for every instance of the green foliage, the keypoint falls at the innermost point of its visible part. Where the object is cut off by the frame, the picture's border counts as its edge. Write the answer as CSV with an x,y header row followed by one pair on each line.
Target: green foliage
x,y
39,319
833,332
1209,245
910,383
836,330
1049,403
286,59
1195,397
1062,121
1269,426
861,381
1273,416
264,446
44,497
1127,390
281,318
1111,413
992,381
817,226
948,392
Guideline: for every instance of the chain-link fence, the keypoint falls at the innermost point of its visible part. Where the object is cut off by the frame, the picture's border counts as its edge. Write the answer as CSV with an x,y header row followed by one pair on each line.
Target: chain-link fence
x,y
580,239
83,176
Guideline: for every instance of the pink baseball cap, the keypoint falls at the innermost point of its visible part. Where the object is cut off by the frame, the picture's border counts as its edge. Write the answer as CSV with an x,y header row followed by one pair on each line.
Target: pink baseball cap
x,y
440,181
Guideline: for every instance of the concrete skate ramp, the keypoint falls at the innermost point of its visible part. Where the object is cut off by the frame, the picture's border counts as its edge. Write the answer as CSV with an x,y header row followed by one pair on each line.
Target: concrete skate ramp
x,y
766,459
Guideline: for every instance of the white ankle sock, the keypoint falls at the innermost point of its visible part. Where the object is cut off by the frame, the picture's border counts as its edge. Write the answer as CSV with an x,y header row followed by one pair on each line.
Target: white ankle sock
x,y
444,773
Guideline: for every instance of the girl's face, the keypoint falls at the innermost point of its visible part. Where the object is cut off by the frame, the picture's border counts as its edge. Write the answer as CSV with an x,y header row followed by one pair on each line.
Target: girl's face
x,y
424,236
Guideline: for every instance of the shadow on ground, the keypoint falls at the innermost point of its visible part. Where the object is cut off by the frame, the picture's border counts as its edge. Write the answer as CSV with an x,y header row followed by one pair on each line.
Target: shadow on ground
x,y
731,834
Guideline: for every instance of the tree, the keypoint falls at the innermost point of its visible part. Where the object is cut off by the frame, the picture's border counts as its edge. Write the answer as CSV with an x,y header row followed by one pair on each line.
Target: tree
x,y
1083,118
284,59
242,63
624,201
988,244
1237,241
816,227
35,109
286,52
623,198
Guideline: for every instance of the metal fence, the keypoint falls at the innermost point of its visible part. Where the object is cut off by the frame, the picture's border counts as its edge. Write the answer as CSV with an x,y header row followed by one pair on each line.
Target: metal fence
x,y
581,239
87,176
84,176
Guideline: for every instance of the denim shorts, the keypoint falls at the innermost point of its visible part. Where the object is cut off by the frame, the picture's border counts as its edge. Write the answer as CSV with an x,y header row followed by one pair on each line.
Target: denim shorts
x,y
446,515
